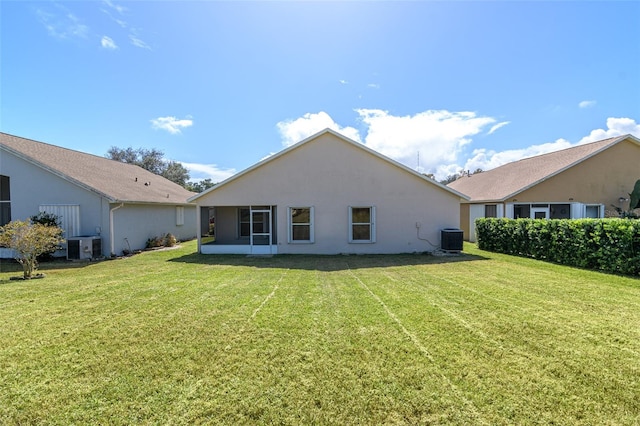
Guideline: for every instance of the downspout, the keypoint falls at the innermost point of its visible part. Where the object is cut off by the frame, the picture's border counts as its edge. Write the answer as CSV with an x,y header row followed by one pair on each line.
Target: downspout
x,y
111,231
199,227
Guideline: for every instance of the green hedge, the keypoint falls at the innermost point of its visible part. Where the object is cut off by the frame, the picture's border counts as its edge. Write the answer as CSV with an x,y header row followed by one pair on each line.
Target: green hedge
x,y
608,245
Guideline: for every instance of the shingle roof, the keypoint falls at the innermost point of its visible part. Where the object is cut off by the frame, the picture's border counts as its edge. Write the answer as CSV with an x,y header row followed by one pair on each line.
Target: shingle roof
x,y
509,179
117,181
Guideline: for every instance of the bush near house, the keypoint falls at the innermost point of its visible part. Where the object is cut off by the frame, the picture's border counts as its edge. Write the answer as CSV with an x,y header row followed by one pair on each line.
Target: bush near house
x,y
167,240
607,245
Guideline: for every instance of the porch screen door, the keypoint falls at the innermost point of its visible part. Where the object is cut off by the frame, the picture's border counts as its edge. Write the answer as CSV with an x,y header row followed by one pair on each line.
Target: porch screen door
x,y
260,237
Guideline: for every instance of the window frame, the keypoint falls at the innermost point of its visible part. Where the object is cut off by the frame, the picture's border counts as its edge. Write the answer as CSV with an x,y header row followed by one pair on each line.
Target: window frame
x,y
371,223
5,200
293,224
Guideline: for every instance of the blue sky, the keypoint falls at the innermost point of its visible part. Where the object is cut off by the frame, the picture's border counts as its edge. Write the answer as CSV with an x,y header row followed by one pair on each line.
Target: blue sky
x,y
439,86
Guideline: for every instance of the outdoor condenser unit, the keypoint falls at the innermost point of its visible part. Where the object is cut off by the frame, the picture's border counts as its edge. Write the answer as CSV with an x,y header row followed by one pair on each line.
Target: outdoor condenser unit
x,y
451,239
88,247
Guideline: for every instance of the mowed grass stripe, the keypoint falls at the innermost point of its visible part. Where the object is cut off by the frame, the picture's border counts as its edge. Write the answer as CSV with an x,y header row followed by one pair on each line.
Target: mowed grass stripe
x,y
173,337
466,403
540,344
350,350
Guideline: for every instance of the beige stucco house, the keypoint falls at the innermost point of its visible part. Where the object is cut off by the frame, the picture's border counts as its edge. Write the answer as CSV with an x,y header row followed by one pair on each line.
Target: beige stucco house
x,y
326,195
588,180
105,206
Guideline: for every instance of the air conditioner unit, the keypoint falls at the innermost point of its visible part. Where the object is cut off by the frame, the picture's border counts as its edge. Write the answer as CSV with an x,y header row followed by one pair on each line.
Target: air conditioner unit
x,y
451,239
87,247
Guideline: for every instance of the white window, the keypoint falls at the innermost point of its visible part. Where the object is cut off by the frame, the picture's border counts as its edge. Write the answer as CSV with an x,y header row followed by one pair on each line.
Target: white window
x,y
592,211
490,210
362,224
179,216
301,225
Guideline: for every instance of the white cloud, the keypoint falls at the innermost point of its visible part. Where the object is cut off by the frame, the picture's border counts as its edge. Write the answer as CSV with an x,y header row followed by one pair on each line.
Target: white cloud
x,y
489,159
344,82
497,126
121,22
171,124
108,43
271,154
436,136
615,127
373,86
117,8
199,172
136,41
587,104
293,131
62,23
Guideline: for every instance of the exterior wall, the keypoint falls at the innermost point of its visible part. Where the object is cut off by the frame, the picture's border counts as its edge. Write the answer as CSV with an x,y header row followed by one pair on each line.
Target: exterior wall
x,y
330,175
134,224
601,179
466,223
32,186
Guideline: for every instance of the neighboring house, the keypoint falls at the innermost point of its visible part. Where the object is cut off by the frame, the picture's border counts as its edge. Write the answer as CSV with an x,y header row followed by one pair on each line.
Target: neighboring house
x,y
587,180
120,205
326,195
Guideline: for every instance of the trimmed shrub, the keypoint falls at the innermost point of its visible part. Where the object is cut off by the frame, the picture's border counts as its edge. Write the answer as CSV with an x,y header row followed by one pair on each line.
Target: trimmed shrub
x,y
607,245
170,240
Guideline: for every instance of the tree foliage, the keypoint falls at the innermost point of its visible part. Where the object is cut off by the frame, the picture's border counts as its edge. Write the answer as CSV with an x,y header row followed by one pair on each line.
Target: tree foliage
x,y
30,240
200,186
46,218
152,160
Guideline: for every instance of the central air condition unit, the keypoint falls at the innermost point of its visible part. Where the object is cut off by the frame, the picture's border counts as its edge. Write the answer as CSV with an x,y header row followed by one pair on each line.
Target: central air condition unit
x,y
451,239
87,247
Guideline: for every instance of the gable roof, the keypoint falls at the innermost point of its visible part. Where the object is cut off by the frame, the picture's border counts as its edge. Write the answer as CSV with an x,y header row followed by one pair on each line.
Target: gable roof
x,y
114,180
343,138
505,181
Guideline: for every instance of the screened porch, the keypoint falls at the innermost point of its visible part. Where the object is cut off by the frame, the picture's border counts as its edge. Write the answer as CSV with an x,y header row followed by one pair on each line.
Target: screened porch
x,y
238,230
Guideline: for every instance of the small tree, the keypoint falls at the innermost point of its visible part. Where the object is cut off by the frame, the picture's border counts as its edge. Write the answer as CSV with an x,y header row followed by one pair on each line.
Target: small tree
x,y
30,240
47,219
634,200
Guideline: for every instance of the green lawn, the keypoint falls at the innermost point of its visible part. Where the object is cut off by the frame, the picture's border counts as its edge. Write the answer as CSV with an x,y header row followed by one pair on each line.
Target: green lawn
x,y
172,337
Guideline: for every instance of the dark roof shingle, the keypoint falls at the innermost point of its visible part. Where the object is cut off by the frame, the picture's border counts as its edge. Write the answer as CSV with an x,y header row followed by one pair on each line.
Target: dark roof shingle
x,y
117,181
